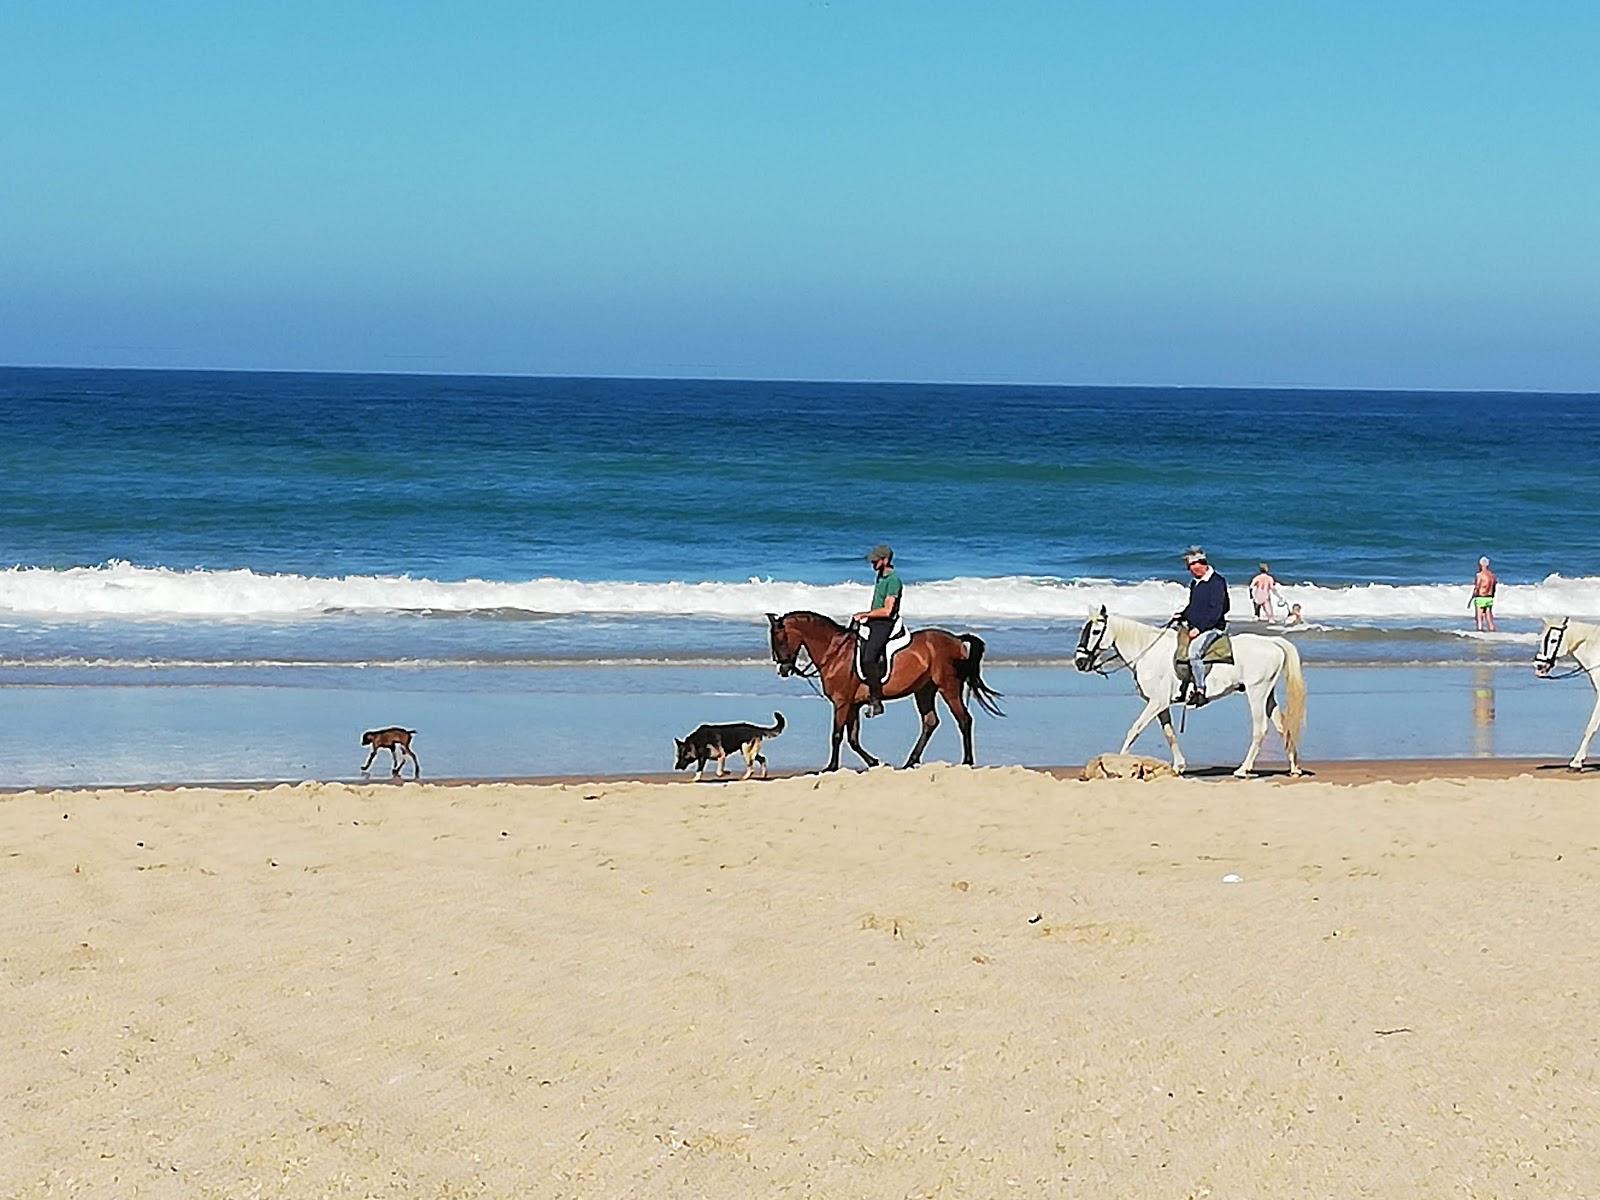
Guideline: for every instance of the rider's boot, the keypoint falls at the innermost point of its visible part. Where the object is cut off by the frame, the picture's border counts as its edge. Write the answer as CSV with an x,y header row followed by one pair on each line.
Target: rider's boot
x,y
874,699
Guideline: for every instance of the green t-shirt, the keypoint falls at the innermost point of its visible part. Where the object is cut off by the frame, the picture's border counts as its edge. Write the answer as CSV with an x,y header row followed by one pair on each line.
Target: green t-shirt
x,y
887,585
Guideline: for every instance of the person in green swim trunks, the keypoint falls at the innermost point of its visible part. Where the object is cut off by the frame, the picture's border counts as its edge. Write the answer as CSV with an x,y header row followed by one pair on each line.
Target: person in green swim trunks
x,y
881,621
1483,589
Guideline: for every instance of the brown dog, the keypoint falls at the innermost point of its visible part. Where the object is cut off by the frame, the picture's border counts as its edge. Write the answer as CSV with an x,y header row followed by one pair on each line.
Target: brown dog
x,y
397,742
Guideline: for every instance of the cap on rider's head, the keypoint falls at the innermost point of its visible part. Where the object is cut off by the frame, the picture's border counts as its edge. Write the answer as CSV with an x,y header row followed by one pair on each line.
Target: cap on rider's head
x,y
1194,554
880,552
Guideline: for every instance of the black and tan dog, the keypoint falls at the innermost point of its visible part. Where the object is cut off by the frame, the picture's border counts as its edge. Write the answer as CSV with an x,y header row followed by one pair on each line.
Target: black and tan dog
x,y
719,741
397,742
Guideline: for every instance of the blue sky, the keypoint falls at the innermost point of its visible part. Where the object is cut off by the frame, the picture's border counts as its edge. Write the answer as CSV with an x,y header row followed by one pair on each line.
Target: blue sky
x,y
1399,195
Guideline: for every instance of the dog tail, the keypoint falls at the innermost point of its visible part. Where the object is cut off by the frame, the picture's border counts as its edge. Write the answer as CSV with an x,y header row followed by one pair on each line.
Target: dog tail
x,y
778,725
971,669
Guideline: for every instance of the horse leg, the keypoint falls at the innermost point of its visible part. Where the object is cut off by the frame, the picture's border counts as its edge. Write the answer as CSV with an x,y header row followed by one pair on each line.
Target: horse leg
x,y
853,731
1588,735
1165,717
950,689
841,718
1142,722
930,721
1258,732
1275,714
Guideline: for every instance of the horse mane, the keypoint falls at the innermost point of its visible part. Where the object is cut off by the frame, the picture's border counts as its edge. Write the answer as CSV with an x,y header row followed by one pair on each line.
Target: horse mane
x,y
816,616
1122,624
1127,625
1578,632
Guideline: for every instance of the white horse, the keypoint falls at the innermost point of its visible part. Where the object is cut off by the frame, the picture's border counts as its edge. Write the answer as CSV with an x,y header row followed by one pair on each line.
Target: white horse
x,y
1579,641
1148,654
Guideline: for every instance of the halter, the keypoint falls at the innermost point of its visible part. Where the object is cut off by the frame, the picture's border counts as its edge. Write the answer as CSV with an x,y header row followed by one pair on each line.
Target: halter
x,y
1550,649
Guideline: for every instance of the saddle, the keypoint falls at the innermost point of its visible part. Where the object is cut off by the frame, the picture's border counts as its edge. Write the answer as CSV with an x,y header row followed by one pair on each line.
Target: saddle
x,y
899,639
1218,653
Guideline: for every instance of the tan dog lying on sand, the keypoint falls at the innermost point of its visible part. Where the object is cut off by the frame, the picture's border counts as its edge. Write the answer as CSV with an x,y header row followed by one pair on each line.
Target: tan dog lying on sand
x,y
1127,766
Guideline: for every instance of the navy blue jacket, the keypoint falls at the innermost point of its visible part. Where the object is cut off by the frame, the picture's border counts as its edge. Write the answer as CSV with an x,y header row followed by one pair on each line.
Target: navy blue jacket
x,y
1208,604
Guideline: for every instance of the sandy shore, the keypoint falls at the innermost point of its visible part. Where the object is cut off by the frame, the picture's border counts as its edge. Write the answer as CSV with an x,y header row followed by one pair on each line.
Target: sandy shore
x,y
945,983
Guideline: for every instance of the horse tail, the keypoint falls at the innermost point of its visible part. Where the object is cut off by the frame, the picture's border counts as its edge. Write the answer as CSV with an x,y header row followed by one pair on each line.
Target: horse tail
x,y
1294,698
970,670
776,727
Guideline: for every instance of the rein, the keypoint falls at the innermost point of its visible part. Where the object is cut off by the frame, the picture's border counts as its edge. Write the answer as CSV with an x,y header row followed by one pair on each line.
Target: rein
x,y
1125,664
812,671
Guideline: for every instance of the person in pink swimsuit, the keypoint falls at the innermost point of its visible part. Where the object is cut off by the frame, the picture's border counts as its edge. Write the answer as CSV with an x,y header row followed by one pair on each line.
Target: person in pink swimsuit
x,y
1264,595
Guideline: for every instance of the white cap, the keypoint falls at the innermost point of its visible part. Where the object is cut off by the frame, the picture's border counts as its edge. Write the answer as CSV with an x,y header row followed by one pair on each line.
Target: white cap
x,y
1484,561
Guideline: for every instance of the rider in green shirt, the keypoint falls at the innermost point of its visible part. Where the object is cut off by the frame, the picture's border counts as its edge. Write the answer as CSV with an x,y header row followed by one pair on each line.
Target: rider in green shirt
x,y
880,620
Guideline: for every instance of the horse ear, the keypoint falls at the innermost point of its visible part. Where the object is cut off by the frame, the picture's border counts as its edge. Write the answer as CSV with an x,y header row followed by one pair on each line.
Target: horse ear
x,y
773,618
1103,612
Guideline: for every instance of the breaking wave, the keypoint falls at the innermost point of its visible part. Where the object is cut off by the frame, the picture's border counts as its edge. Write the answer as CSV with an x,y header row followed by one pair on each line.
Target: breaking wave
x,y
124,590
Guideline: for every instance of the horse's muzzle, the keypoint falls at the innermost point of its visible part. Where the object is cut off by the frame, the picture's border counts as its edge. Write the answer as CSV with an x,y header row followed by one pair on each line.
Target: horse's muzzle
x,y
785,670
1542,670
1083,661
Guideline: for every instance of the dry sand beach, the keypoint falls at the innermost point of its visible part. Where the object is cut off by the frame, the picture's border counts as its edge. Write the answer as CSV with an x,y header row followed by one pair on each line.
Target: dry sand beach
x,y
948,983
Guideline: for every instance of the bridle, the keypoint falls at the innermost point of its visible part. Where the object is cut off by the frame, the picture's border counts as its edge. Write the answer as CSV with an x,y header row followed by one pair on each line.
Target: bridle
x,y
810,670
1550,649
1092,653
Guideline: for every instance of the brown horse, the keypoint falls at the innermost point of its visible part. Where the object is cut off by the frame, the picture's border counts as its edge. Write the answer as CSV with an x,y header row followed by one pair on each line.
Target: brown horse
x,y
936,663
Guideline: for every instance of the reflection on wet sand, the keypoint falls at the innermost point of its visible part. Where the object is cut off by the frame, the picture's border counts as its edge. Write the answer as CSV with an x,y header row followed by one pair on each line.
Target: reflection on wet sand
x,y
1483,712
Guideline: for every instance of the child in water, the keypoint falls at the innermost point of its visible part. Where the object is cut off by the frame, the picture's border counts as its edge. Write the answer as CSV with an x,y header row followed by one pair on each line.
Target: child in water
x,y
1294,617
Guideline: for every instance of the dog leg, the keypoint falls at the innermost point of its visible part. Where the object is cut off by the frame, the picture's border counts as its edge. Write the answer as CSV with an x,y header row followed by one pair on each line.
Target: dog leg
x,y
394,753
367,766
416,767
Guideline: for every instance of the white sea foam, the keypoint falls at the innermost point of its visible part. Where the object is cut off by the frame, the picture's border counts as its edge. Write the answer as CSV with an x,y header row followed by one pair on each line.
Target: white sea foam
x,y
120,589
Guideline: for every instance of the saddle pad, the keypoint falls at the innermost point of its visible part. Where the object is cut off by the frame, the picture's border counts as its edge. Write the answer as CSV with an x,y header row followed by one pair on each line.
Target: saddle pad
x,y
1219,652
899,639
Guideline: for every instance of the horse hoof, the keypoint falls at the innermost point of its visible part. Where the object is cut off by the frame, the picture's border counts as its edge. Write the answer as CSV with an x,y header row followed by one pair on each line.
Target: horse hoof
x,y
1295,772
1241,773
1575,766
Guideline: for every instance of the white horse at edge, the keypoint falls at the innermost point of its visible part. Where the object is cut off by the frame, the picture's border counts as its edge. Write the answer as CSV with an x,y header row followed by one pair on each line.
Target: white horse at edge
x,y
1581,642
1148,654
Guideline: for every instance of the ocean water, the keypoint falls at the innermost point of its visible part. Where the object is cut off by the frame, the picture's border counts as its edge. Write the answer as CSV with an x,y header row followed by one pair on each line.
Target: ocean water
x,y
195,529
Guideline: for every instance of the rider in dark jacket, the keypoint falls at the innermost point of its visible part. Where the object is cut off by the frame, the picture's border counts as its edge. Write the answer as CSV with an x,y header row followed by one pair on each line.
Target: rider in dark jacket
x,y
1203,620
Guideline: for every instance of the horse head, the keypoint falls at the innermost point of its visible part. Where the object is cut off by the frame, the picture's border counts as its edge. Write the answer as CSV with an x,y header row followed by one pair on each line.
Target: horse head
x,y
785,650
1092,641
1551,647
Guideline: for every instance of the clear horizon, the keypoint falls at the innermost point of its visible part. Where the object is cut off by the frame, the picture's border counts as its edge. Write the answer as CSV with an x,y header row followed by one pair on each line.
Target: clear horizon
x,y
1373,198
965,383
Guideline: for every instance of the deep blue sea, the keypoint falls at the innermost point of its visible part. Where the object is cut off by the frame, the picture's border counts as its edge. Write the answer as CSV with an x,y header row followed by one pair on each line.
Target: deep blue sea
x,y
183,527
